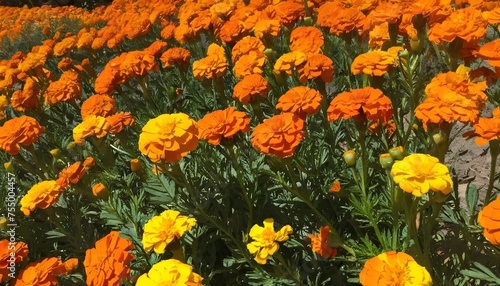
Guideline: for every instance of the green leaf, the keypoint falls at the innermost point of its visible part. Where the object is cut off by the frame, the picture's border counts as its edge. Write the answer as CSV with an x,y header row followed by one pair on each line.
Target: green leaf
x,y
471,197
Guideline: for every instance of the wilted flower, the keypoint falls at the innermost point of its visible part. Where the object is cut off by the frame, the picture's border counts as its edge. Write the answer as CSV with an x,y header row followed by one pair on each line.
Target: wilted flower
x,y
160,230
45,271
222,123
18,254
365,103
279,135
23,130
419,173
489,219
168,137
41,195
266,240
394,268
106,263
300,100
170,272
319,243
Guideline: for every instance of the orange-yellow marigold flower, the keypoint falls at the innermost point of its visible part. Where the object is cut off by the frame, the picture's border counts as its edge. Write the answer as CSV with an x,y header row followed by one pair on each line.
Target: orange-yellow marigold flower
x,y
288,61
319,243
214,65
162,229
65,89
394,268
91,125
71,175
376,63
300,100
23,130
41,195
365,103
279,135
489,219
222,123
170,272
419,173
316,65
106,263
44,272
266,240
11,253
168,137
3,105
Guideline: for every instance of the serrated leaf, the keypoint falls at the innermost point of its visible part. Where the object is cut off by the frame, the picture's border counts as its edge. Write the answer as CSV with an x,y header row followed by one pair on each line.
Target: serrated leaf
x,y
471,198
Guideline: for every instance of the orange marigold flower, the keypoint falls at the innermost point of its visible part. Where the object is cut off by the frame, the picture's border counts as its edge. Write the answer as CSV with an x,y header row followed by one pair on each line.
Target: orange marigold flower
x,y
289,61
486,129
394,268
269,27
100,190
91,125
489,219
379,35
289,11
316,65
250,87
168,137
335,187
222,123
44,272
138,63
117,122
490,52
106,263
375,63
214,65
300,100
65,89
467,24
64,64
23,130
11,253
65,46
99,105
3,105
41,195
365,103
252,63
279,135
175,55
88,163
246,46
156,48
319,243
71,174
22,100
306,40
231,31
339,19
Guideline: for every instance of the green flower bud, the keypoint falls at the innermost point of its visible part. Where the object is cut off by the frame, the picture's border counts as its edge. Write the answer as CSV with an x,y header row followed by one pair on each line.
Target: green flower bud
x,y
397,153
386,161
350,158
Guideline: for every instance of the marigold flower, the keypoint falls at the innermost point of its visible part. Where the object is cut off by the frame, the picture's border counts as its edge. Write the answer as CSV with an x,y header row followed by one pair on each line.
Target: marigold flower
x,y
41,195
266,27
376,63
118,122
316,65
279,135
265,240
99,105
170,272
44,272
231,31
250,87
306,40
289,11
300,100
3,105
168,137
65,89
467,24
222,123
289,61
365,103
138,63
486,129
489,219
379,35
214,65
175,55
335,187
19,252
65,46
135,165
340,19
394,268
319,243
246,46
71,175
106,263
252,63
160,230
491,52
23,130
419,173
91,126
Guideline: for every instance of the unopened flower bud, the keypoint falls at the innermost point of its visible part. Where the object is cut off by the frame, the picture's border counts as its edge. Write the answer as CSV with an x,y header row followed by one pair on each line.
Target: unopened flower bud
x,y
386,161
135,165
99,190
71,145
438,138
308,21
350,158
269,53
397,153
9,167
56,153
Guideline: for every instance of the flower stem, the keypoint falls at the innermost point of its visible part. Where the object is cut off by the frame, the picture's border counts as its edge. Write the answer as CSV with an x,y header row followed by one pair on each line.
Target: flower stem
x,y
494,152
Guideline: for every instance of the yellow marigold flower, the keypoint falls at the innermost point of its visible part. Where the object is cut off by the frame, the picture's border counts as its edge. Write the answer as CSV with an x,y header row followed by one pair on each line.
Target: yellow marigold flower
x,y
419,173
168,137
265,240
41,195
394,268
160,230
91,125
170,272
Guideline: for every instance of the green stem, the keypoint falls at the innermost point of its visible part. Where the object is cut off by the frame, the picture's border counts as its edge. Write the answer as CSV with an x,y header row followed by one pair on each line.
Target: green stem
x,y
285,265
494,151
239,175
